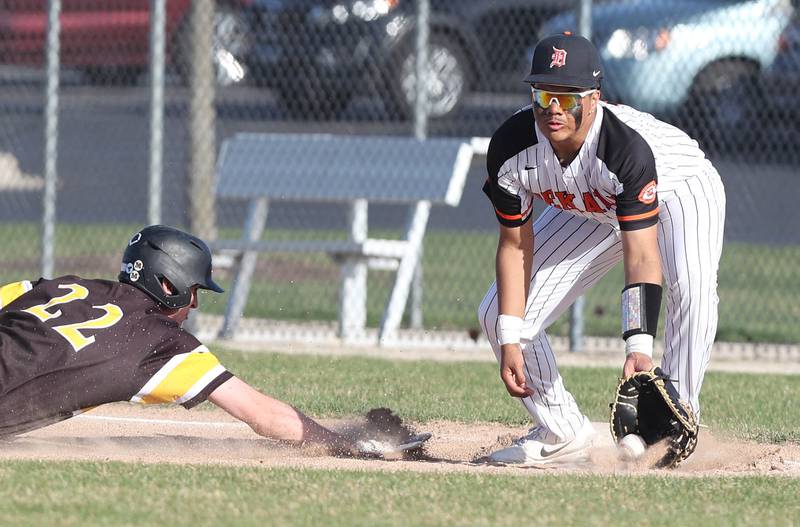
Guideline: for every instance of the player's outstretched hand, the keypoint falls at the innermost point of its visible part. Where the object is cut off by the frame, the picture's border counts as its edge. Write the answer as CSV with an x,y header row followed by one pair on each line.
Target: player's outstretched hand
x,y
512,371
636,362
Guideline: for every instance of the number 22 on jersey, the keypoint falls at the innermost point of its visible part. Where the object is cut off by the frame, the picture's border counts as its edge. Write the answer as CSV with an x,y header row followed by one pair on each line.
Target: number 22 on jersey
x,y
73,333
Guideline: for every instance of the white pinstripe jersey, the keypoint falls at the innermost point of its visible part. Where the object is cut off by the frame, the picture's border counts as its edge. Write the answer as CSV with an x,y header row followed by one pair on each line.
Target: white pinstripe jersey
x,y
626,161
70,344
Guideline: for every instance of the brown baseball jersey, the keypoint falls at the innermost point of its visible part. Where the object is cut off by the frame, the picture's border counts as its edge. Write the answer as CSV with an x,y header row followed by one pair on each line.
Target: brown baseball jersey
x,y
70,344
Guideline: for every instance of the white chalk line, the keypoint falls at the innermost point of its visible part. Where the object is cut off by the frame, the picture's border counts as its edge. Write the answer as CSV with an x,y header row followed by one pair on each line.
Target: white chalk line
x,y
142,420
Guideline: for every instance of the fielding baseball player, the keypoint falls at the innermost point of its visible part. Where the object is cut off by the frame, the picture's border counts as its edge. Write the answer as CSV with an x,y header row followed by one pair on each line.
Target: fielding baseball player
x,y
619,185
70,344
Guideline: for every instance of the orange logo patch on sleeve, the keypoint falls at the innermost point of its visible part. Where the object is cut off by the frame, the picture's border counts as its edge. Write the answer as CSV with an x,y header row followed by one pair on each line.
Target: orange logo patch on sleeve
x,y
648,193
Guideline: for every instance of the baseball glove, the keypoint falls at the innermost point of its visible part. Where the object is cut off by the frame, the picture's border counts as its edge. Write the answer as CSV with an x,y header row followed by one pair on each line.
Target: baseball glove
x,y
647,404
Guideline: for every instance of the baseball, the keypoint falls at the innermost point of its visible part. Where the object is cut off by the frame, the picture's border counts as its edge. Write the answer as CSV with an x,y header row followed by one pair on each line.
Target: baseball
x,y
631,447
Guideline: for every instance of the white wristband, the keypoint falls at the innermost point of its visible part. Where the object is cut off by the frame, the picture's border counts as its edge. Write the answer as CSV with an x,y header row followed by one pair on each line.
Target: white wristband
x,y
510,329
639,343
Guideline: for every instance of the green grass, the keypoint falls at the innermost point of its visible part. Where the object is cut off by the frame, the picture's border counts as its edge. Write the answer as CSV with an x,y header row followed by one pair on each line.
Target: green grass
x,y
472,392
758,284
89,494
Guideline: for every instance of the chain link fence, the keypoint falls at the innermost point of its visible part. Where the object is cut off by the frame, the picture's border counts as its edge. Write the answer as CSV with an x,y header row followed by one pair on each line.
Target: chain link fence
x,y
727,72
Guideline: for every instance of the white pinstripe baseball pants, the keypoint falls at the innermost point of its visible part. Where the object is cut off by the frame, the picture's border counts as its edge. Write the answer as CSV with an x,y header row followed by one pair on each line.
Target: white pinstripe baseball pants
x,y
572,253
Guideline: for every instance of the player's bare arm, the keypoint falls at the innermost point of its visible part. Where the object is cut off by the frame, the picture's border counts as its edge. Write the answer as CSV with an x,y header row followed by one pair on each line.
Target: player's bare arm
x,y
266,416
642,262
514,261
273,418
641,257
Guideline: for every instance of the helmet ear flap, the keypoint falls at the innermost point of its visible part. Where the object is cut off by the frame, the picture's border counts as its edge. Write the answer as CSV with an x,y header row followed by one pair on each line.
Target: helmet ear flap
x,y
159,253
174,296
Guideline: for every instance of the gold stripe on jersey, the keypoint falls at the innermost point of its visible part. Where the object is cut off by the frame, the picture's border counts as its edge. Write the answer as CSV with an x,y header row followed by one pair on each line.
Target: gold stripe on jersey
x,y
10,292
181,378
201,384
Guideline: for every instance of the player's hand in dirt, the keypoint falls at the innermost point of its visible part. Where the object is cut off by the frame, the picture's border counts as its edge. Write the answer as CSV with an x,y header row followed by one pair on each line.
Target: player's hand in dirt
x,y
512,371
636,362
379,448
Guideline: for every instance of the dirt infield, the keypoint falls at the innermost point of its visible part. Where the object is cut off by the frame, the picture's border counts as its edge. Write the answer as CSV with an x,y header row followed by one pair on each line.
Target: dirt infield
x,y
172,435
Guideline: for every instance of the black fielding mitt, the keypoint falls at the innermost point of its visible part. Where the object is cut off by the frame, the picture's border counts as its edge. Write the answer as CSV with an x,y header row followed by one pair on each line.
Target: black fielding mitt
x,y
647,404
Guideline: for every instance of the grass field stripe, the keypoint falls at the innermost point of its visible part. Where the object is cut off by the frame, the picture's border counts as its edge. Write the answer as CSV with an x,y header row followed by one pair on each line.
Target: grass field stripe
x,y
181,378
143,420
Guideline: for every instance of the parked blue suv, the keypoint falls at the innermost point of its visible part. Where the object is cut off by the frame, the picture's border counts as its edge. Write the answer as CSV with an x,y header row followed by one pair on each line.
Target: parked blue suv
x,y
684,58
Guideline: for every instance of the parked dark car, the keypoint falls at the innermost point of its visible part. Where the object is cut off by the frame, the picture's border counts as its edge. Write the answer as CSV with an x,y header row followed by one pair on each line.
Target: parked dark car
x,y
319,54
110,39
773,108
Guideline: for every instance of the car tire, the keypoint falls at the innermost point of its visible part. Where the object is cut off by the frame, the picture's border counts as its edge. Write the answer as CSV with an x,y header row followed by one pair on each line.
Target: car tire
x,y
717,112
451,72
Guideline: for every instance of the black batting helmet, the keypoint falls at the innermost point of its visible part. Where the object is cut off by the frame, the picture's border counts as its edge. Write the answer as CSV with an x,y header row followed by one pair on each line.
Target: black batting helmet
x,y
158,252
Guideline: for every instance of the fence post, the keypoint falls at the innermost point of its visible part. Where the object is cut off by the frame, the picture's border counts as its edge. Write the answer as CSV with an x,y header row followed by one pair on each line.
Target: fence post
x,y
202,119
157,23
421,70
420,132
576,322
51,137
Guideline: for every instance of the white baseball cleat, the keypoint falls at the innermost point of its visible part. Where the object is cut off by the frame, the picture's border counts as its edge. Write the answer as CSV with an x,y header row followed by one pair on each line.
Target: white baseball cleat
x,y
376,447
531,451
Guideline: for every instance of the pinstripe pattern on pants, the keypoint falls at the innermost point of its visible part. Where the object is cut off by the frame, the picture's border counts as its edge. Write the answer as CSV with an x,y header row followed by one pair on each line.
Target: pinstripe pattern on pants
x,y
690,233
571,254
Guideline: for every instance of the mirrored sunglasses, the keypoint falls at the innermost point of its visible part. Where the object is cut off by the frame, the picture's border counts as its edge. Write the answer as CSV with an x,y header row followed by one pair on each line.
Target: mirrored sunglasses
x,y
566,100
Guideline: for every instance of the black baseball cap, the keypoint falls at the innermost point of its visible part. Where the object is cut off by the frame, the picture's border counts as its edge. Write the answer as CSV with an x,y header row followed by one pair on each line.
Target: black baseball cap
x,y
566,60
